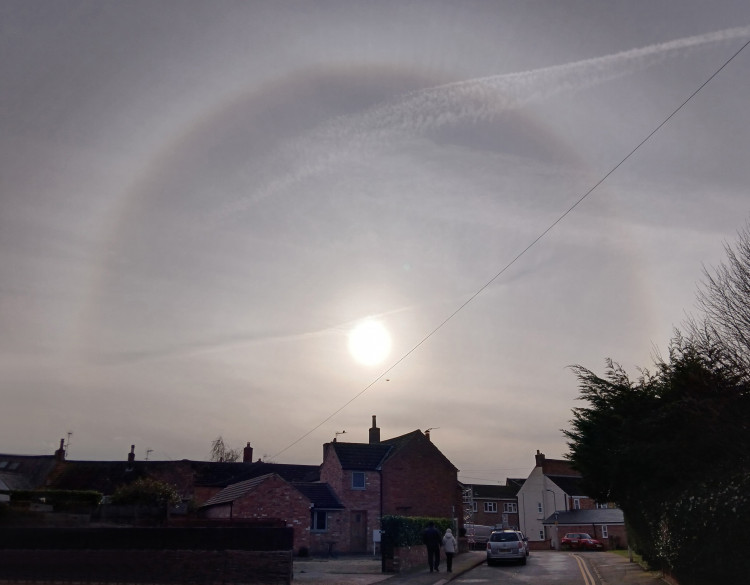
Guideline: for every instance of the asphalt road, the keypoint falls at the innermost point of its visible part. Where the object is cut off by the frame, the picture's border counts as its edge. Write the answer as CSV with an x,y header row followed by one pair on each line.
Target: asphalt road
x,y
542,568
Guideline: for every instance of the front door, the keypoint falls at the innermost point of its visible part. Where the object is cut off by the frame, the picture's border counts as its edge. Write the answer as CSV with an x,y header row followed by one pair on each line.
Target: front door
x,y
358,531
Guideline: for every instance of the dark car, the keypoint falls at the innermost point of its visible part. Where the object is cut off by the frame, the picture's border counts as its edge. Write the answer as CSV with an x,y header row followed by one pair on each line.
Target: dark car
x,y
581,541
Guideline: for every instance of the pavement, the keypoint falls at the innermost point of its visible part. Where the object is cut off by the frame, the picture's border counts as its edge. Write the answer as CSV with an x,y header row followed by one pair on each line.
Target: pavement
x,y
609,568
363,570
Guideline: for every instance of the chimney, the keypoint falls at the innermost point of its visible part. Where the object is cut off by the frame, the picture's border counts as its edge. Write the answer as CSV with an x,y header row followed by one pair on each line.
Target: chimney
x,y
60,453
131,455
539,458
374,433
427,435
247,454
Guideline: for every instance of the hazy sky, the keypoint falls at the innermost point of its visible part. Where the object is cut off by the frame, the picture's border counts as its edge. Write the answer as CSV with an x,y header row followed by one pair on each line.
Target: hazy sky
x,y
200,200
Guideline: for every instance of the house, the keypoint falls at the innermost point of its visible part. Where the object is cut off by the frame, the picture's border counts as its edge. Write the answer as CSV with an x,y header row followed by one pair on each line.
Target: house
x,y
553,491
310,508
24,472
604,524
495,505
333,506
405,475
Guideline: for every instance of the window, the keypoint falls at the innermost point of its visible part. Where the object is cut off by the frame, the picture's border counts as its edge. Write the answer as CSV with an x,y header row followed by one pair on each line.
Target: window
x,y
490,507
541,535
605,532
473,506
358,480
539,507
319,521
601,506
576,503
510,507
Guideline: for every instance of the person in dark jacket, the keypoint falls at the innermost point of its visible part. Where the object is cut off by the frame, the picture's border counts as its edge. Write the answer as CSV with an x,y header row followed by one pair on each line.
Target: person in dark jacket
x,y
432,540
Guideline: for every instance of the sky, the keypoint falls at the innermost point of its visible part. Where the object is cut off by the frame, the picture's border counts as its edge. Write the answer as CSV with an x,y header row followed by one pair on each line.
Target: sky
x,y
200,201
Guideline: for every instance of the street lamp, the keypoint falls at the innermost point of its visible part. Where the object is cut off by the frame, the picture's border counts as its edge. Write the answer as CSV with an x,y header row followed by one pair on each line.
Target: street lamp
x,y
554,497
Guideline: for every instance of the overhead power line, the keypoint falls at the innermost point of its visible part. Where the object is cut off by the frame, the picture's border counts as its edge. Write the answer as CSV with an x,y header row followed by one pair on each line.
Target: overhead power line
x,y
533,243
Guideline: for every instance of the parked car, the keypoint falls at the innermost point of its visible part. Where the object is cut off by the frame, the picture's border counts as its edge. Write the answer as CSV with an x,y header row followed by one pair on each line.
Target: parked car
x,y
525,541
478,534
506,545
580,540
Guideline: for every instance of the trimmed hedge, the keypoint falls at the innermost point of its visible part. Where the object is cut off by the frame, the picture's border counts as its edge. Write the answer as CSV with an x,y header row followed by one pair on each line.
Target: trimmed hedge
x,y
407,530
60,500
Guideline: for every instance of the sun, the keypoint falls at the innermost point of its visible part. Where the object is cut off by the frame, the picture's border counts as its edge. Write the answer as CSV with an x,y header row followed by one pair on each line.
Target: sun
x,y
369,342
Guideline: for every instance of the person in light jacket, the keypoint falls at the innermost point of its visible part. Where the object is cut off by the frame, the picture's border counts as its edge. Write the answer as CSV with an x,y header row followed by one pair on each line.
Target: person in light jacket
x,y
450,547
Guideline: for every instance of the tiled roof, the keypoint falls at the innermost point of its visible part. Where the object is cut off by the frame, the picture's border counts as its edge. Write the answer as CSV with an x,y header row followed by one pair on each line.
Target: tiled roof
x,y
361,456
497,492
214,474
569,485
320,494
583,517
25,472
236,490
399,443
516,482
107,476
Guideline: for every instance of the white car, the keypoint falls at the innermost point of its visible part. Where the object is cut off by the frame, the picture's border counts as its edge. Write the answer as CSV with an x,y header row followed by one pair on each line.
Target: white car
x,y
506,545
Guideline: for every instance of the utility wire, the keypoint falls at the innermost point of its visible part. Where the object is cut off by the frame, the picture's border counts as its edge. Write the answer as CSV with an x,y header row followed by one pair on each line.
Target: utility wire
x,y
520,254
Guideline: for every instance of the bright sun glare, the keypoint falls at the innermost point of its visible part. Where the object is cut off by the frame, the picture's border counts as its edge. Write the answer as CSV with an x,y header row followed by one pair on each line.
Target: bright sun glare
x,y
369,343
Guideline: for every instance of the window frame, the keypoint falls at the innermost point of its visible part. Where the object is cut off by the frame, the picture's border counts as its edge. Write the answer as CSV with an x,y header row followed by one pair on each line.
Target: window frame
x,y
362,475
315,517
490,507
510,508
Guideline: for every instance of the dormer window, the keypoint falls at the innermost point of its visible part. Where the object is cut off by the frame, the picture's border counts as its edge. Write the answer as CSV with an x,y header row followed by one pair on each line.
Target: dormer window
x,y
358,480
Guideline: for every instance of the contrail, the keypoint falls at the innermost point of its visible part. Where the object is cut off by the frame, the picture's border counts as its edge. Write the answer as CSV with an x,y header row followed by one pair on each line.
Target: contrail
x,y
345,139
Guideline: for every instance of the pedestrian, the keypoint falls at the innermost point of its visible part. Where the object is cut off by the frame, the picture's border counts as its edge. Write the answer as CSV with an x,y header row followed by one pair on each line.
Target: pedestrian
x,y
432,540
451,548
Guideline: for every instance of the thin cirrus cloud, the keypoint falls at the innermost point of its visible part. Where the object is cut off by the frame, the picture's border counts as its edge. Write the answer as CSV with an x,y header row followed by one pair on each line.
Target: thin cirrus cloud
x,y
345,138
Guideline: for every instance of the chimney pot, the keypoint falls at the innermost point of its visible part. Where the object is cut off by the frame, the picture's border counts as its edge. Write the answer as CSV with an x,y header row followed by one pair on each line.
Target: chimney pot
x,y
60,453
247,454
131,455
374,432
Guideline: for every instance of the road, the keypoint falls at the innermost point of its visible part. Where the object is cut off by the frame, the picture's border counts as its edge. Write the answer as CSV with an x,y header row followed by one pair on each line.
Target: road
x,y
563,568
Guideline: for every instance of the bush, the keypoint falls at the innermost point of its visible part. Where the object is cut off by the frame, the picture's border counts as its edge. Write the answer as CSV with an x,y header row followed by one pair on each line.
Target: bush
x,y
407,530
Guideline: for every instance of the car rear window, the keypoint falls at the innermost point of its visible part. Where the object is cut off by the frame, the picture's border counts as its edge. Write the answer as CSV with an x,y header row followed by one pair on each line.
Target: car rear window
x,y
503,536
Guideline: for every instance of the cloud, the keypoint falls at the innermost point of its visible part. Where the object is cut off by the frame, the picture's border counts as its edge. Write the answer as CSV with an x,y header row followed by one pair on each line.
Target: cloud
x,y
344,140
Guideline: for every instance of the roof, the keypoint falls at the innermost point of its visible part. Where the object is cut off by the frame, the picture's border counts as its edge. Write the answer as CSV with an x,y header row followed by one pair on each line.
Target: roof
x,y
320,494
583,517
496,492
215,474
569,485
25,472
107,476
398,443
237,490
361,456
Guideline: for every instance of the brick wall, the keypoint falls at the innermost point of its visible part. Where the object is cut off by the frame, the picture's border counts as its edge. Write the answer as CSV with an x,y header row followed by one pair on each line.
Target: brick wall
x,y
356,501
420,481
147,566
275,498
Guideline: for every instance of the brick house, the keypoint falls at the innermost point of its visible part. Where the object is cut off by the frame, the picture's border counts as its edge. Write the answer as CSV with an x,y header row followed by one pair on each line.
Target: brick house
x,y
496,505
406,475
333,506
604,524
311,509
553,491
